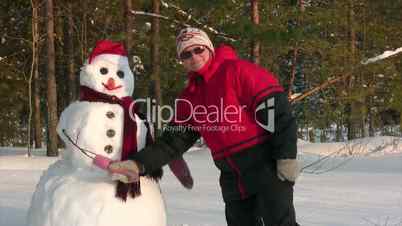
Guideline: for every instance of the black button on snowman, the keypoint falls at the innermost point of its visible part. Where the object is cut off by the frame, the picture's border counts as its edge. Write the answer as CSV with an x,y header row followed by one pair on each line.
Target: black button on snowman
x,y
110,114
109,149
110,133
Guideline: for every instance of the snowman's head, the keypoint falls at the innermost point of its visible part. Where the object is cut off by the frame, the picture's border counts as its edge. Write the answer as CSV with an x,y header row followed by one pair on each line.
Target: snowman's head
x,y
107,70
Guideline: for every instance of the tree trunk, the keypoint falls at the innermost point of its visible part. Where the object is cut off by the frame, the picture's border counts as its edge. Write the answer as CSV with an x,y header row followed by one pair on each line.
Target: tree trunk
x,y
1,140
60,59
37,112
351,124
338,133
34,29
36,81
83,28
400,124
370,116
295,51
323,136
155,57
51,83
129,27
371,123
311,135
69,50
293,73
256,45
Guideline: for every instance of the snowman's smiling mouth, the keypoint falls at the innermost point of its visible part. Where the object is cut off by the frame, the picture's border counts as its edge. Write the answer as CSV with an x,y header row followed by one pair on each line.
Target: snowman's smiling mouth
x,y
109,87
111,84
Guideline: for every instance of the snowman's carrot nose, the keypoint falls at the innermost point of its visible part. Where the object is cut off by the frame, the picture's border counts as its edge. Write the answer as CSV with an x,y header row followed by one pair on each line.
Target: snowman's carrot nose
x,y
111,83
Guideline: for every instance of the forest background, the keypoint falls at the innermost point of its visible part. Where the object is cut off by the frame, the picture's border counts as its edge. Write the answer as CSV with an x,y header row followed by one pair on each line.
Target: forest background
x,y
315,47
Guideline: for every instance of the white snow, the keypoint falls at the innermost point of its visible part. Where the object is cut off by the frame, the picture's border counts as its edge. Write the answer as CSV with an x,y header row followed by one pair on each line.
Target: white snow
x,y
148,26
384,55
367,190
164,4
359,147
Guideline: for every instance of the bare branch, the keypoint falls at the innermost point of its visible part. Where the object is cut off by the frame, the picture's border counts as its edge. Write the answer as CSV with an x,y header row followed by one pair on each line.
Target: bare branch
x,y
318,88
385,55
189,17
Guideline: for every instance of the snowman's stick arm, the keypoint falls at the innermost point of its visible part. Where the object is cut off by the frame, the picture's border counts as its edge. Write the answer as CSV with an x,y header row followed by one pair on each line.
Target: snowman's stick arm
x,y
85,152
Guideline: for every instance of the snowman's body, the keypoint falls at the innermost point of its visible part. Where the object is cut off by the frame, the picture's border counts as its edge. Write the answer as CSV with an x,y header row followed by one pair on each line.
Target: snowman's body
x,y
75,192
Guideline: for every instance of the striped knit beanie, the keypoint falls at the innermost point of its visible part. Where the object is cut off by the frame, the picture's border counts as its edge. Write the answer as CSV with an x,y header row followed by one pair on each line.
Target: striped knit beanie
x,y
192,36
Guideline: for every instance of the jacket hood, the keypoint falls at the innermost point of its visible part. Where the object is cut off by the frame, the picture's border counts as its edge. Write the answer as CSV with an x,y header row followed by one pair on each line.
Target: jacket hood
x,y
225,52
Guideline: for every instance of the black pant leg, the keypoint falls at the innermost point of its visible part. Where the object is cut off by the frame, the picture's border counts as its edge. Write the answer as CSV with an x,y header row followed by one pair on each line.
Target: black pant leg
x,y
242,212
275,199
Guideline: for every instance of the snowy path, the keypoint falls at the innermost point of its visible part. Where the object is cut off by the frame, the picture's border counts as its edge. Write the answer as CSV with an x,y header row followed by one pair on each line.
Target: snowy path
x,y
367,191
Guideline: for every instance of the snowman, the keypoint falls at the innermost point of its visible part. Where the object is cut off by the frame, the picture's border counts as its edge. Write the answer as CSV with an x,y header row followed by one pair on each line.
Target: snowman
x,y
101,127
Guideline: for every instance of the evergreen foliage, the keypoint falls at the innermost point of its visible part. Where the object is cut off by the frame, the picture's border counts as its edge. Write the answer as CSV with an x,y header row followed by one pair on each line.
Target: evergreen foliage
x,y
368,102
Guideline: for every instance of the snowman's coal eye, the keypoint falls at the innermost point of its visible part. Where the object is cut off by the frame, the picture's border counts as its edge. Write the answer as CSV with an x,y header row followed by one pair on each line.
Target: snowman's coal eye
x,y
120,74
103,71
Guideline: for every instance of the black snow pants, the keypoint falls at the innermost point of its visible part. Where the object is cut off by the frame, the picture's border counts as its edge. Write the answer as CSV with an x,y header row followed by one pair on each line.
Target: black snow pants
x,y
252,191
271,206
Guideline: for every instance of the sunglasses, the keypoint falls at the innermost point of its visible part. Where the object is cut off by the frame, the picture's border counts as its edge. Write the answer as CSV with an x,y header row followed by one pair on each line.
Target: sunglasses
x,y
188,54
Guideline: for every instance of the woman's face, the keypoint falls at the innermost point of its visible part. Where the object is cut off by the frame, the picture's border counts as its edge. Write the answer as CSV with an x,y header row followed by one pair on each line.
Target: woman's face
x,y
194,57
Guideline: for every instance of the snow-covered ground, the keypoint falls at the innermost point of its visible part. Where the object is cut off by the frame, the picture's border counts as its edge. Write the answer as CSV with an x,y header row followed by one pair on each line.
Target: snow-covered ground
x,y
365,189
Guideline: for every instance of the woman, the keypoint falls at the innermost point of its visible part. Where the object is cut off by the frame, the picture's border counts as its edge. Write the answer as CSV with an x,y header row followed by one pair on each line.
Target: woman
x,y
243,114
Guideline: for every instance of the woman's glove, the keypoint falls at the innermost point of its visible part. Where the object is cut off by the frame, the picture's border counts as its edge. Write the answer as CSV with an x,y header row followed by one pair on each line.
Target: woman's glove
x,y
182,172
288,169
126,171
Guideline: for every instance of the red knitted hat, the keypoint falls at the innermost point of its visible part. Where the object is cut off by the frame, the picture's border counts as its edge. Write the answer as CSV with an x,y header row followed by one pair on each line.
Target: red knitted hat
x,y
107,47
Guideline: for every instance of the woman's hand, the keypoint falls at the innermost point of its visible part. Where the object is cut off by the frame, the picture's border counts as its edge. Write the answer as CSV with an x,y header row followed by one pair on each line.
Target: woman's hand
x,y
125,171
288,169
